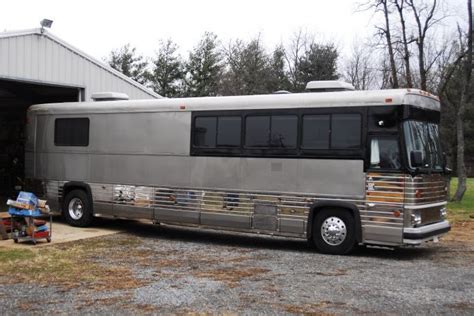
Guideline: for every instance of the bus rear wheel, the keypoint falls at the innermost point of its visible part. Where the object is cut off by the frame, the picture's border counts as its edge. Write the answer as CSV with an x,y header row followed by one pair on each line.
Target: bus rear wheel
x,y
77,209
334,231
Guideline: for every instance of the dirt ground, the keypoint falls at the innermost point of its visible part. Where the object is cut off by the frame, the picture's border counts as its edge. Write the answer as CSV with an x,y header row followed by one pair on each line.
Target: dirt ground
x,y
165,269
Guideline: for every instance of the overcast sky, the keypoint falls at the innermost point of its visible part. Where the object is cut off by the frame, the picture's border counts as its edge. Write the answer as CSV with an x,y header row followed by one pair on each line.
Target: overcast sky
x,y
97,27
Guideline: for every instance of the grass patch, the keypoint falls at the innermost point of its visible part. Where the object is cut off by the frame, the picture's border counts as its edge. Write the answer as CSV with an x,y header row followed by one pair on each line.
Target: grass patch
x,y
74,264
460,211
8,255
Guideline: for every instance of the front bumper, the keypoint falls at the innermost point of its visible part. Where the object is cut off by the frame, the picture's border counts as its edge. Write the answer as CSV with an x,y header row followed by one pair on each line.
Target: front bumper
x,y
418,235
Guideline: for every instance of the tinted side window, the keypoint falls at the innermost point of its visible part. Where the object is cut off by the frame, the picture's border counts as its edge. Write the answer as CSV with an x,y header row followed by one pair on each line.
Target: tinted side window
x,y
228,131
257,131
71,132
384,153
345,131
205,131
315,131
384,118
284,131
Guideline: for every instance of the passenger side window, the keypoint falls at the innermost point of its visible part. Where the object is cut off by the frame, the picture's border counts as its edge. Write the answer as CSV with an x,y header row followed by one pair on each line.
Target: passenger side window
x,y
284,131
205,131
257,131
276,131
346,131
316,132
228,131
384,153
217,131
71,132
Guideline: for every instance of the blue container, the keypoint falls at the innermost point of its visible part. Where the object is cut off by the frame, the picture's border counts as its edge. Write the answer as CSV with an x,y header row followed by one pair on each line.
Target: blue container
x,y
27,198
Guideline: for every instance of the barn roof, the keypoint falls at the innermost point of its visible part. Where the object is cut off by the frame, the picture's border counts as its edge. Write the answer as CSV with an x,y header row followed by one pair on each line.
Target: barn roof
x,y
39,56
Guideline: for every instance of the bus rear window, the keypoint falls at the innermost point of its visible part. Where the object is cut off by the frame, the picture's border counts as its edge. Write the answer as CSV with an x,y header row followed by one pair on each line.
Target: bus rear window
x,y
71,132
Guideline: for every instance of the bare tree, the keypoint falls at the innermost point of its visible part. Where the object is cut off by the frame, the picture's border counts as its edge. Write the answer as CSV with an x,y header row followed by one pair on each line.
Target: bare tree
x,y
358,68
466,95
385,31
425,17
400,5
293,53
455,88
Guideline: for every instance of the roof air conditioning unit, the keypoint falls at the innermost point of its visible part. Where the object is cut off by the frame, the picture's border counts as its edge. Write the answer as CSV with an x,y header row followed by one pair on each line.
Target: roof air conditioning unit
x,y
109,96
328,86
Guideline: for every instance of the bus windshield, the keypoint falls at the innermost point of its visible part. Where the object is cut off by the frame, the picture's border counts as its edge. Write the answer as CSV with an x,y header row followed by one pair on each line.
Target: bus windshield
x,y
424,137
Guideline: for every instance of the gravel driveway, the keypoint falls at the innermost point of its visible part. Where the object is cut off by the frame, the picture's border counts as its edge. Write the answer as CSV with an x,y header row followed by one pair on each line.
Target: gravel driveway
x,y
184,270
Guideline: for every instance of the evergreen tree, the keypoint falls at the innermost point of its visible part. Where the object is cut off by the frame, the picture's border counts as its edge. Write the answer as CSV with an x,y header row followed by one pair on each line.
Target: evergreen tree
x,y
166,77
126,60
247,69
278,79
318,63
204,68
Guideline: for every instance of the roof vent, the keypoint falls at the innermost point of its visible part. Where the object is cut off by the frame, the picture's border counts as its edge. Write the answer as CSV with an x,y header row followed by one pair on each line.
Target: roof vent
x,y
328,86
109,96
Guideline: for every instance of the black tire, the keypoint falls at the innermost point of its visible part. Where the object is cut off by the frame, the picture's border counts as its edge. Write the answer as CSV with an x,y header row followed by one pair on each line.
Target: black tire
x,y
78,198
345,242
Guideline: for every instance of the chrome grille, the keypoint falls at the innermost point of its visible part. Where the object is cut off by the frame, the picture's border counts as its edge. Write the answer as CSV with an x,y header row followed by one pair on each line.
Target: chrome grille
x,y
426,189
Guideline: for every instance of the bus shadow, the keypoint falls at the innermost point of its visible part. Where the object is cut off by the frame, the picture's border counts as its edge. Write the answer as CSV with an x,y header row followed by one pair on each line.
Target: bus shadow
x,y
206,236
145,229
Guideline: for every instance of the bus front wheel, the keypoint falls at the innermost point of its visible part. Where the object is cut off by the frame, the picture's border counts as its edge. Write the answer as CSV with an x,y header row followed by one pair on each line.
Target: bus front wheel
x,y
334,231
77,209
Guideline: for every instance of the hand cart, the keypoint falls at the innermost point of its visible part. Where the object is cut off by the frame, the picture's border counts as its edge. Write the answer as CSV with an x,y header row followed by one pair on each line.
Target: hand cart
x,y
25,214
27,228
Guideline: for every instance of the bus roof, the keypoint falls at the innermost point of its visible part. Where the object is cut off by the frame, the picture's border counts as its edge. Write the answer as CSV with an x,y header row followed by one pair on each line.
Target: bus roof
x,y
413,97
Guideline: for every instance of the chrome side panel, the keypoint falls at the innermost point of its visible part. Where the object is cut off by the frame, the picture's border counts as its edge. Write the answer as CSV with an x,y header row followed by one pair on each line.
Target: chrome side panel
x,y
385,198
276,213
226,220
426,195
391,199
431,189
133,173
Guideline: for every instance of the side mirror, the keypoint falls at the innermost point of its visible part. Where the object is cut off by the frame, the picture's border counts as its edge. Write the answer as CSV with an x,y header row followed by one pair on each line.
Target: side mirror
x,y
416,158
447,170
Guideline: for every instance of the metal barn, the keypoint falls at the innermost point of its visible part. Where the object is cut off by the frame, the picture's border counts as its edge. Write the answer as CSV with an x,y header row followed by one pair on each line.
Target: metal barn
x,y
38,67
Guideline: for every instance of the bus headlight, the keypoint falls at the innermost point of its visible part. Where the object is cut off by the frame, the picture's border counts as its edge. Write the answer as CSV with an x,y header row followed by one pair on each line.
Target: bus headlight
x,y
415,218
443,213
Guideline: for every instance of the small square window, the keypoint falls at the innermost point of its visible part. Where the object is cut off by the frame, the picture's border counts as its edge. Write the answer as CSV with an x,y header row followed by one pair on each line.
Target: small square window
x,y
71,132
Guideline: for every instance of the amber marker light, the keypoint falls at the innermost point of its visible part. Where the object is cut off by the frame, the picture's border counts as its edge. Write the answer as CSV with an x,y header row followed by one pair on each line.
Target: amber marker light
x,y
418,193
397,213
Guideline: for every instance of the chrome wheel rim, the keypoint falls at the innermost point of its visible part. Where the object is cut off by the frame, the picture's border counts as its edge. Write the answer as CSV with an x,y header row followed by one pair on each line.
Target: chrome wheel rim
x,y
333,231
76,208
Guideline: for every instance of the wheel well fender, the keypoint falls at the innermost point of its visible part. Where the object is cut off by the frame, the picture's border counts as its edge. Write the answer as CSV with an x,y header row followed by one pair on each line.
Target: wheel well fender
x,y
77,185
351,208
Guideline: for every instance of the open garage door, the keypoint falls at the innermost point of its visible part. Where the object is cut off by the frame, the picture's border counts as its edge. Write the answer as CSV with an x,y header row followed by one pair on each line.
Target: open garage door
x,y
15,98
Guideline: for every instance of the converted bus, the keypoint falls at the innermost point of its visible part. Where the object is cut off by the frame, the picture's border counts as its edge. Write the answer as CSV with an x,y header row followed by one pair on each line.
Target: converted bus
x,y
340,169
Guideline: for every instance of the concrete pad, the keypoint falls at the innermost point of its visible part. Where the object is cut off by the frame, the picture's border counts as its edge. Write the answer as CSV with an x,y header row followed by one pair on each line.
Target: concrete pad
x,y
62,233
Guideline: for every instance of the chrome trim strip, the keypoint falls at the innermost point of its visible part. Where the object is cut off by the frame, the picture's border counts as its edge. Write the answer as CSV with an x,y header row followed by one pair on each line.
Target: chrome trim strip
x,y
417,207
427,228
417,242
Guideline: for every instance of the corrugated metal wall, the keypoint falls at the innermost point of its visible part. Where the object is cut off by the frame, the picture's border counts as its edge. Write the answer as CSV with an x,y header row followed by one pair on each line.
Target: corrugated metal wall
x,y
42,59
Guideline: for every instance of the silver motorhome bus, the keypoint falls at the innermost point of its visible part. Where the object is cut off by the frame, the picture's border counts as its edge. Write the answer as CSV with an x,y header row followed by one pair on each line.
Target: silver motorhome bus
x,y
338,168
